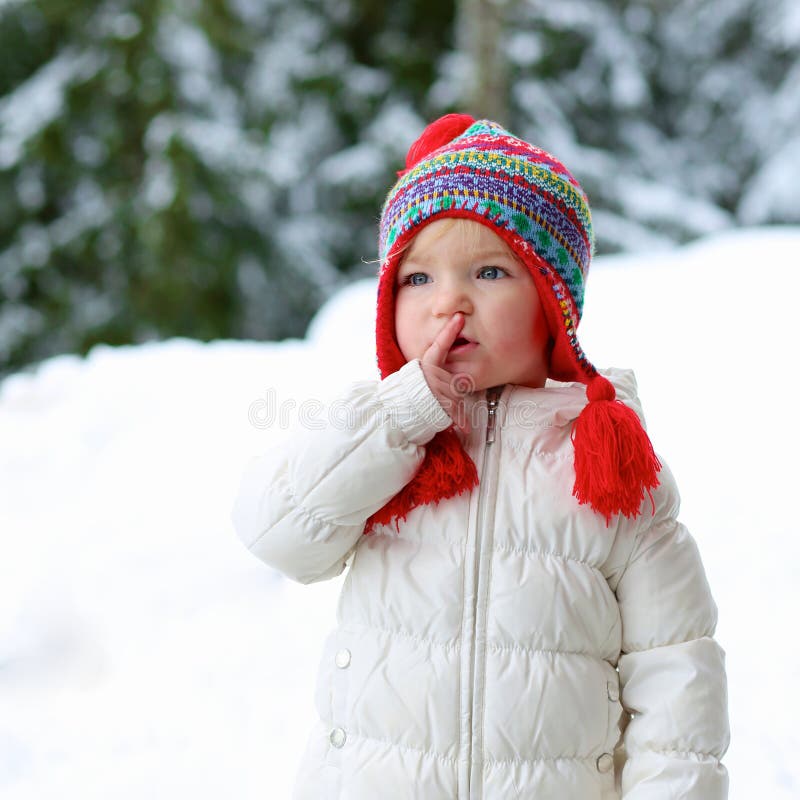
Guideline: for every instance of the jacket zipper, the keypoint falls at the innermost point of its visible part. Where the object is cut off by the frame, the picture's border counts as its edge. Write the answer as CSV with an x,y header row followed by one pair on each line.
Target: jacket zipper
x,y
492,397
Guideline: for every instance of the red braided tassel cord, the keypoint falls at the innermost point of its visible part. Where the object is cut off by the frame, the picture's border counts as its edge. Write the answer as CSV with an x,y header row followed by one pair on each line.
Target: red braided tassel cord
x,y
615,463
445,472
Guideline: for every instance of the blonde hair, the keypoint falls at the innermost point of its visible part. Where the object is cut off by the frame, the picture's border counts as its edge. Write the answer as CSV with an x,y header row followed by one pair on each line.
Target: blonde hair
x,y
469,230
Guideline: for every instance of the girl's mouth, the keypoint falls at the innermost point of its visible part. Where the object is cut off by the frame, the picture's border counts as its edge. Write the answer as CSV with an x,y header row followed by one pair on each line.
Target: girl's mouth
x,y
462,345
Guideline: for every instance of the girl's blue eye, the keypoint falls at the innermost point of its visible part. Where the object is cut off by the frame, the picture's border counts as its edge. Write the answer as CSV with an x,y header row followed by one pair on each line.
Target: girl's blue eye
x,y
491,272
412,279
421,278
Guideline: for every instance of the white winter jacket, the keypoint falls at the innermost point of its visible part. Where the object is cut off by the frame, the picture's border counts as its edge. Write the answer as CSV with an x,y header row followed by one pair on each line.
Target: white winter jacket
x,y
505,644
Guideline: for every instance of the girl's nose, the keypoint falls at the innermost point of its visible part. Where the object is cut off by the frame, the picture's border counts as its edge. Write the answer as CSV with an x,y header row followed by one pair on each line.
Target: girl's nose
x,y
452,296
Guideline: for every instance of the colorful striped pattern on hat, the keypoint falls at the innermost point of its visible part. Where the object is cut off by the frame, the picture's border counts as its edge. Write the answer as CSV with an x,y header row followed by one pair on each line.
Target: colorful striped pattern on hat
x,y
489,173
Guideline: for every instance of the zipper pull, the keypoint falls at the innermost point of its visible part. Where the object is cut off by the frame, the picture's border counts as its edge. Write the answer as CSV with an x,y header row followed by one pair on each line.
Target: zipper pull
x,y
492,396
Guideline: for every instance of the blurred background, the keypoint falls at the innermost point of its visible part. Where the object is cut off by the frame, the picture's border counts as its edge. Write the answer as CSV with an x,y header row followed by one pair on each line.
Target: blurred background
x,y
215,169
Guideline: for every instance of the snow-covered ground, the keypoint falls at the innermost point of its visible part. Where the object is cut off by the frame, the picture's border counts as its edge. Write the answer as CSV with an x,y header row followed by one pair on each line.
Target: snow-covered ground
x,y
145,653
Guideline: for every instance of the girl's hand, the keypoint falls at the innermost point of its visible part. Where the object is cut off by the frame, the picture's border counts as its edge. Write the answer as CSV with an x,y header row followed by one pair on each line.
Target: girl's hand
x,y
450,389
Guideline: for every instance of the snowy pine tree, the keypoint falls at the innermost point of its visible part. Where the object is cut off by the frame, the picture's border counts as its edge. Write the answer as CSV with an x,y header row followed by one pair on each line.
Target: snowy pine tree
x,y
206,169
680,117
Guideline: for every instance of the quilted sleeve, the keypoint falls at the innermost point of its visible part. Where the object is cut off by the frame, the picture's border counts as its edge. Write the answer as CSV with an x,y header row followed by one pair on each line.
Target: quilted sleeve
x,y
302,508
672,670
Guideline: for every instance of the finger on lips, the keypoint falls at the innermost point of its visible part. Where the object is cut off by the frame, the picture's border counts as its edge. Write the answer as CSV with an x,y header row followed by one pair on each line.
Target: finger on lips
x,y
446,336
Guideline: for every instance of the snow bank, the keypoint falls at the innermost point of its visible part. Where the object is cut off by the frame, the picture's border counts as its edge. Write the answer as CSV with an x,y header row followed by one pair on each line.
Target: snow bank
x,y
144,652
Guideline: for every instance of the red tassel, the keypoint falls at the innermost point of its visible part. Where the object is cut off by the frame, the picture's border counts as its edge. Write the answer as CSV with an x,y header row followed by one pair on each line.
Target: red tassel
x,y
615,463
446,471
439,133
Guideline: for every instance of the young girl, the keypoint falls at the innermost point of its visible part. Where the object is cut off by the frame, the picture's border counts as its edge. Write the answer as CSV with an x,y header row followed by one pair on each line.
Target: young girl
x,y
524,617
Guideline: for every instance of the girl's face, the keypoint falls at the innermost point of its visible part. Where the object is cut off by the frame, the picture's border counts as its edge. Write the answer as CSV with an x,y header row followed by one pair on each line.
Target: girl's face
x,y
460,265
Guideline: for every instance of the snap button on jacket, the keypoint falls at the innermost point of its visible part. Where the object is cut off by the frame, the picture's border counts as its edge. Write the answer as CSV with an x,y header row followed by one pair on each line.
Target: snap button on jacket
x,y
504,644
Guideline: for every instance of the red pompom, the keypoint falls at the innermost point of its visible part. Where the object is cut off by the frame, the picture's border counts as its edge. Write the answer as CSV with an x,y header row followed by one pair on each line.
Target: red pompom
x,y
439,133
615,463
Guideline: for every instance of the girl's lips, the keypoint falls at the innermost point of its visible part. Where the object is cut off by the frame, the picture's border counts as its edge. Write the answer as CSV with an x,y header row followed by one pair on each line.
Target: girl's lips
x,y
462,348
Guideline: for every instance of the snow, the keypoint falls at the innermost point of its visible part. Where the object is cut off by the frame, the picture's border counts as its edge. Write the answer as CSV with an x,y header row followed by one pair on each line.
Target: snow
x,y
35,103
218,144
354,169
88,210
709,120
657,203
774,191
145,652
197,69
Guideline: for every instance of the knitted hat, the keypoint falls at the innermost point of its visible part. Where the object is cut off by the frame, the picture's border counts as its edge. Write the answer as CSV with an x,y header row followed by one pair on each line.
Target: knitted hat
x,y
476,170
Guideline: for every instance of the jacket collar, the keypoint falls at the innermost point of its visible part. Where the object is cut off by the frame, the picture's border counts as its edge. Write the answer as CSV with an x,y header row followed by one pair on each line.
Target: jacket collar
x,y
556,404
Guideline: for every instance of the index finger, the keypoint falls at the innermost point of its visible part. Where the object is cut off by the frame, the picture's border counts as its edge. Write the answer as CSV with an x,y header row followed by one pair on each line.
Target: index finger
x,y
437,352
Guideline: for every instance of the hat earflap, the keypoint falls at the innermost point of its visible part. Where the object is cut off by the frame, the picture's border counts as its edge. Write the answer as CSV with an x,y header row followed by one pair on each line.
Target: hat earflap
x,y
615,464
445,472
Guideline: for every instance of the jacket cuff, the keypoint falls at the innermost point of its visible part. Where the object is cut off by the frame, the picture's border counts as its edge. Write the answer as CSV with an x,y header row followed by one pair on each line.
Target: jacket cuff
x,y
410,405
